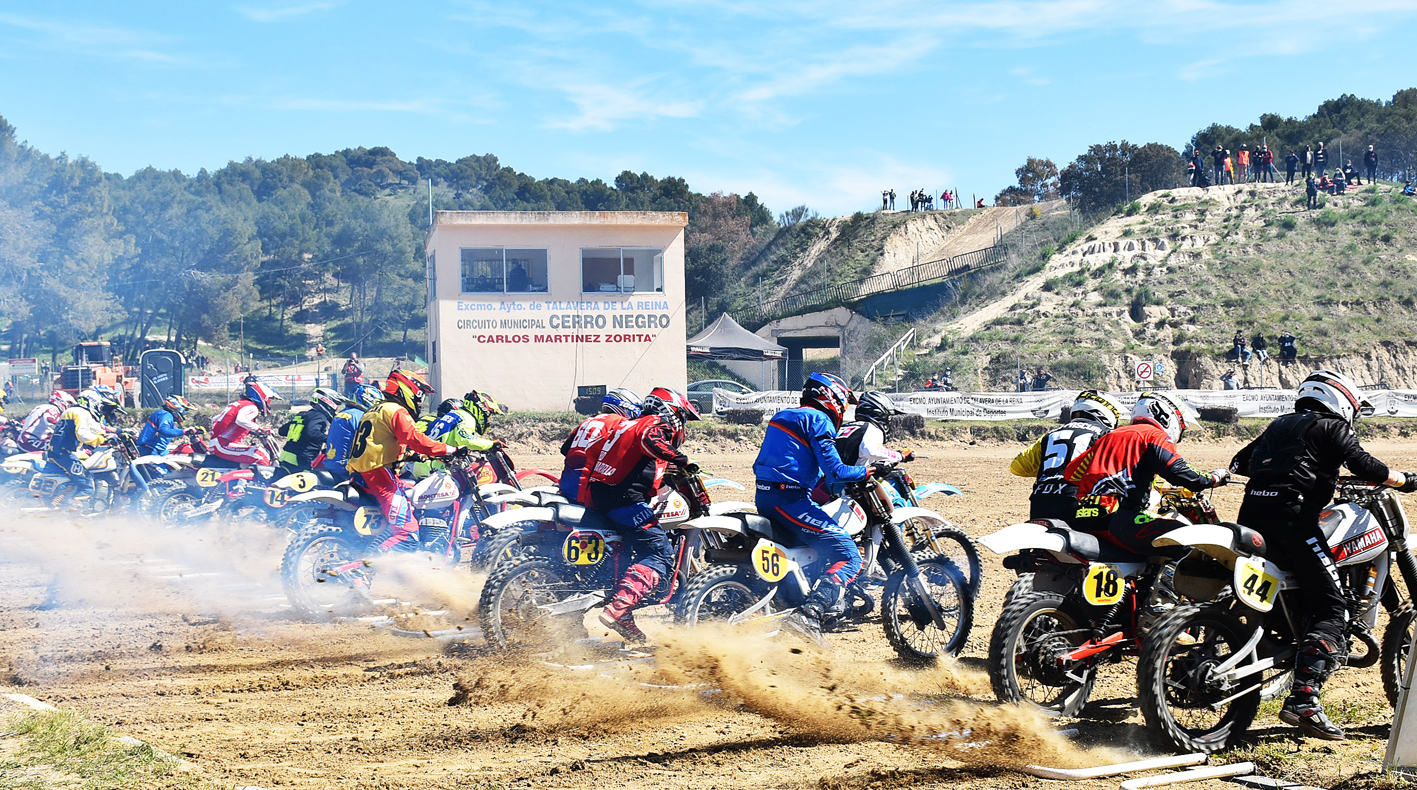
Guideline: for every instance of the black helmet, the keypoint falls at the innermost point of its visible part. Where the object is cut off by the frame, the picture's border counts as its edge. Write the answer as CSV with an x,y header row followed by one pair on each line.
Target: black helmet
x,y
876,407
448,405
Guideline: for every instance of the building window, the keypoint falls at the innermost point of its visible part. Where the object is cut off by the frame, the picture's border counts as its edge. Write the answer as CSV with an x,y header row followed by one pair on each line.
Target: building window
x,y
504,270
432,277
622,270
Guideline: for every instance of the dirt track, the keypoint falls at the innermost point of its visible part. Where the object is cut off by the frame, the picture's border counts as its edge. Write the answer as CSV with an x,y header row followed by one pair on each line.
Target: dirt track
x,y
214,668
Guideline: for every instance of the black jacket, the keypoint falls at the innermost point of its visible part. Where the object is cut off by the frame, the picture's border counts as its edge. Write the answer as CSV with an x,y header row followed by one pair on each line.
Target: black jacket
x,y
1295,463
305,433
1371,158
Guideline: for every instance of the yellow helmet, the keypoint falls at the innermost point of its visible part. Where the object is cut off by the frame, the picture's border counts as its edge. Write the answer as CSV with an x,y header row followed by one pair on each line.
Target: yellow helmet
x,y
407,389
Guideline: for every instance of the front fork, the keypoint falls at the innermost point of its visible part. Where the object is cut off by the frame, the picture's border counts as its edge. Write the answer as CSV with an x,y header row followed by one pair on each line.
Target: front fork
x,y
901,552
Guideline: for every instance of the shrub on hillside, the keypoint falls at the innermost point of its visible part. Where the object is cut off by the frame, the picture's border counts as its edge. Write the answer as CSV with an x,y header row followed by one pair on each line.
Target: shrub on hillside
x,y
588,405
1228,415
743,416
907,424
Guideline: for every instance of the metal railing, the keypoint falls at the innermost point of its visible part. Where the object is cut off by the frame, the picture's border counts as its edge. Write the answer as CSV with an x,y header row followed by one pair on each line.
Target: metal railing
x,y
891,356
843,293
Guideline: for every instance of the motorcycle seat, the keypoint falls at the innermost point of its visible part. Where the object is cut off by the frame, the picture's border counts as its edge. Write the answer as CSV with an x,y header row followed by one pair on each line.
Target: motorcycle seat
x,y
573,516
546,498
1246,538
1089,547
763,526
214,462
356,497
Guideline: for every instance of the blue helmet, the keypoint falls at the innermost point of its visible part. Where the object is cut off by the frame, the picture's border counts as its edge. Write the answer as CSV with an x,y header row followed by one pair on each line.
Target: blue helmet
x,y
367,396
828,393
622,401
260,394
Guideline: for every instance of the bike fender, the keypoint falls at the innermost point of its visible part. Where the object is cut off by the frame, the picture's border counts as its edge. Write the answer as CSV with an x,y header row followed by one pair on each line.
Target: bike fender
x,y
715,523
526,473
323,496
720,482
488,490
542,490
1017,537
901,515
930,489
724,508
518,515
519,498
164,460
1210,539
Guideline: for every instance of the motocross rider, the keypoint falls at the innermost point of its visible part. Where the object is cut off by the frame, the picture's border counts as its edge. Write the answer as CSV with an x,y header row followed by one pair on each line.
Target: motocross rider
x,y
80,426
343,427
1114,476
624,476
305,433
1092,414
618,406
385,433
238,420
799,450
1292,468
163,425
465,423
39,423
863,440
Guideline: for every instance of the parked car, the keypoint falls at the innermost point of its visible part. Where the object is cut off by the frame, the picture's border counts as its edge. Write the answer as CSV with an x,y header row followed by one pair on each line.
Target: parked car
x,y
701,392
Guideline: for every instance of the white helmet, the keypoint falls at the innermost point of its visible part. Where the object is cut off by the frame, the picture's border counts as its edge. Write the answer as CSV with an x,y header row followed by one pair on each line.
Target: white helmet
x,y
1099,407
61,399
1334,393
1163,411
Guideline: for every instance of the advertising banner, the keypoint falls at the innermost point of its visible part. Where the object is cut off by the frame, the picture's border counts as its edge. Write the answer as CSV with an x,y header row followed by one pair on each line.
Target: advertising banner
x,y
1049,405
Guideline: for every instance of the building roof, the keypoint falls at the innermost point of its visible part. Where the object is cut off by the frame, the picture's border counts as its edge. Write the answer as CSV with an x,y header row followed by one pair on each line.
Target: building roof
x,y
676,219
725,339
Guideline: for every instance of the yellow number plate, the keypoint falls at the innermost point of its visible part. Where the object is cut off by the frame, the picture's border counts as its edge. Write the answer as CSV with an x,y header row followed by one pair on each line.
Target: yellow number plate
x,y
366,519
1103,585
206,478
276,497
1255,585
301,481
770,562
583,548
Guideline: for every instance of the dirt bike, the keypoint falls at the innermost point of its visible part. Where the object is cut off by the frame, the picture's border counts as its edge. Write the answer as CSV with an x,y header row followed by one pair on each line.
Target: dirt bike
x,y
222,489
1204,666
119,481
1079,601
530,523
331,562
760,572
539,597
927,530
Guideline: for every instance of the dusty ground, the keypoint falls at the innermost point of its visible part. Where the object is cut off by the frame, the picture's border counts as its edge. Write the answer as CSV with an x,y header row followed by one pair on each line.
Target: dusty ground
x,y
214,668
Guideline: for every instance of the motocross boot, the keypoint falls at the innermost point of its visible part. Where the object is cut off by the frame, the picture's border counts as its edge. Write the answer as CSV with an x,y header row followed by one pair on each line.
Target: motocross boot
x,y
1302,709
807,620
619,615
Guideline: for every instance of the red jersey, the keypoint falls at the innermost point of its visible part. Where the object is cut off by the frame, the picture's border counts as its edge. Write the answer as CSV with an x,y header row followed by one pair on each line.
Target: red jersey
x,y
1125,462
623,451
587,440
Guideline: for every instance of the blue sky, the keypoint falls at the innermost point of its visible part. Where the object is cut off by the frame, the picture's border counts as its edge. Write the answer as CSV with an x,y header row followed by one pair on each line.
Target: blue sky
x,y
820,102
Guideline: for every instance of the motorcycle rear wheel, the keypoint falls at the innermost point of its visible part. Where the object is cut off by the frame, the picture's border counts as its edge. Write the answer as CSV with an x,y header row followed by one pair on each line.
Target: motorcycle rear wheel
x,y
951,542
310,572
1177,698
1033,630
910,629
719,593
508,609
1397,641
171,508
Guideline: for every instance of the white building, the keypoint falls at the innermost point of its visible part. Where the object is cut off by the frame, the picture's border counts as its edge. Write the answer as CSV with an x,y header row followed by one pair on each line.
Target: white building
x,y
533,306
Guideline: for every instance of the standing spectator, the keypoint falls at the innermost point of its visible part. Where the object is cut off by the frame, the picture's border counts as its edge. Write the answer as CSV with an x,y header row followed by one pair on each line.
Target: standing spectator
x,y
1320,160
1370,163
949,199
1022,383
9,390
1228,380
1229,168
1288,351
1267,165
948,380
353,372
1261,346
1291,164
1242,354
1217,157
1306,161
892,199
1041,380
885,199
1244,162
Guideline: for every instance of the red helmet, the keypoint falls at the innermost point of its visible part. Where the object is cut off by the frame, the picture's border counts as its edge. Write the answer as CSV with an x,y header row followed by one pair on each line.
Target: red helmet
x,y
407,389
673,407
828,394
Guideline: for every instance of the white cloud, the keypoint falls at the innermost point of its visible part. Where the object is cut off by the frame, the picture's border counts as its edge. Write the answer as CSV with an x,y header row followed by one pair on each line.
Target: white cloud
x,y
602,106
280,13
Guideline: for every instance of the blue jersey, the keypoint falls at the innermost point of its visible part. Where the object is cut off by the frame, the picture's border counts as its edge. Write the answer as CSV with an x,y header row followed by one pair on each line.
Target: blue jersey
x,y
158,432
339,437
799,448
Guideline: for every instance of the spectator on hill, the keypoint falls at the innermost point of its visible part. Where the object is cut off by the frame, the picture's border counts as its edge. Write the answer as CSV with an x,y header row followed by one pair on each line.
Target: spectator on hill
x,y
949,199
1197,168
1409,190
948,380
1267,165
1244,161
885,199
892,199
1324,185
1229,174
1288,351
979,203
1340,182
1320,160
1370,163
1228,380
1041,380
1350,174
1291,164
1306,161
1217,158
1242,354
1261,346
1022,384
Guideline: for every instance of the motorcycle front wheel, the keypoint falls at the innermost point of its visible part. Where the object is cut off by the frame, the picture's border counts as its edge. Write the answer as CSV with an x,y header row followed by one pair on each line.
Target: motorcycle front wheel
x,y
1179,698
910,627
510,607
323,573
1397,641
1026,649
